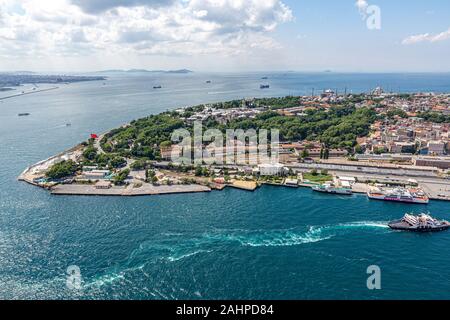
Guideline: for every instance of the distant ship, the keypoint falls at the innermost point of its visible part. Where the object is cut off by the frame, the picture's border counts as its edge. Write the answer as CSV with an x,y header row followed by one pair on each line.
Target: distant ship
x,y
330,188
420,223
264,78
264,86
157,87
209,81
399,195
23,114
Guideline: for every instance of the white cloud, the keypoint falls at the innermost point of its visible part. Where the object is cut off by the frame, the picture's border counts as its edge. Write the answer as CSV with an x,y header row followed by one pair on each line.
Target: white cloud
x,y
96,6
164,27
427,37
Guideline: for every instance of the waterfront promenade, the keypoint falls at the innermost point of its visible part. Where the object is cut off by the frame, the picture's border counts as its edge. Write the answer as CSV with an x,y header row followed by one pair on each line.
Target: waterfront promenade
x,y
436,187
145,190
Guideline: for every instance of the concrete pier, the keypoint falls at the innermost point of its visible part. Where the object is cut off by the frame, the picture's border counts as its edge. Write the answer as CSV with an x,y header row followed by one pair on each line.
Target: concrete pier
x,y
130,191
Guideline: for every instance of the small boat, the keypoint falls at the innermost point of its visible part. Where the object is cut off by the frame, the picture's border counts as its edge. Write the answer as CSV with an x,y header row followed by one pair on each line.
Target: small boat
x,y
157,87
264,78
209,81
264,86
23,114
420,223
332,189
68,124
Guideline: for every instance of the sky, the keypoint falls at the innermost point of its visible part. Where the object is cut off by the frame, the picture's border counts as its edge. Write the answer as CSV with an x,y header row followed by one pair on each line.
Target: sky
x,y
225,35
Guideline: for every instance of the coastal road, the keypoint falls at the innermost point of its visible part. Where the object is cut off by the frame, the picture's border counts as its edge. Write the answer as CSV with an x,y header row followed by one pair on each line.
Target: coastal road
x,y
436,188
97,144
361,169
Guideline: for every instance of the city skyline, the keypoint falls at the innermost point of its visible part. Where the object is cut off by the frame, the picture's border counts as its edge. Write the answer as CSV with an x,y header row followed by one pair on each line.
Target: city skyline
x,y
223,35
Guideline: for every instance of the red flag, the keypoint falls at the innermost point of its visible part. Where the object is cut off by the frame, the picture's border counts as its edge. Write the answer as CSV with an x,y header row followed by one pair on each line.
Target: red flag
x,y
94,136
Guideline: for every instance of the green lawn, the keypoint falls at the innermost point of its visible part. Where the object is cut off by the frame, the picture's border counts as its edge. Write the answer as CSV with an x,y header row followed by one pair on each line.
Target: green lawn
x,y
319,178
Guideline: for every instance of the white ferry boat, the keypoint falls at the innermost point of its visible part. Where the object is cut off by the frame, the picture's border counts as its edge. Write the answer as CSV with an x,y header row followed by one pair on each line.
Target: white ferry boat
x,y
414,196
420,223
330,188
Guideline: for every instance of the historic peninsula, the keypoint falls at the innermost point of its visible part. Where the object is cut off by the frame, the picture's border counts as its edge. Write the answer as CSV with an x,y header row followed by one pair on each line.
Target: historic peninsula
x,y
381,144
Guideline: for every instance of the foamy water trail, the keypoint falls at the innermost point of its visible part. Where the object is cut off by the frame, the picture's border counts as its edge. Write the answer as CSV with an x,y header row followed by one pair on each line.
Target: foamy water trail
x,y
367,224
293,238
174,249
270,238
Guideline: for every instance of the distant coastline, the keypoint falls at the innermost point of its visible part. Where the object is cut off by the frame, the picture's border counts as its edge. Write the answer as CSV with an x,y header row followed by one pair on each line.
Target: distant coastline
x,y
6,89
15,80
128,71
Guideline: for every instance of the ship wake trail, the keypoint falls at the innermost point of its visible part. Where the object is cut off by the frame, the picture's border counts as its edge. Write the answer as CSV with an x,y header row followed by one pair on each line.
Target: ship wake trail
x,y
285,238
174,247
282,238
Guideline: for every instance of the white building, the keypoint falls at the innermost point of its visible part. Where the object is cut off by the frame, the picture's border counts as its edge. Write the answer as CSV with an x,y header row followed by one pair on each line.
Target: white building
x,y
349,180
271,169
291,182
95,174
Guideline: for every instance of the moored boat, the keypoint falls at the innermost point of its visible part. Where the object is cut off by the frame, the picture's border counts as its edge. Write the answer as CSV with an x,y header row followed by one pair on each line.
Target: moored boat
x,y
413,196
330,188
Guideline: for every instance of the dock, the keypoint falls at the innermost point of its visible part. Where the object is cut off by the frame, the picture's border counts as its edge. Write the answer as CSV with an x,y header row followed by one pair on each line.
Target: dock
x,y
245,185
129,191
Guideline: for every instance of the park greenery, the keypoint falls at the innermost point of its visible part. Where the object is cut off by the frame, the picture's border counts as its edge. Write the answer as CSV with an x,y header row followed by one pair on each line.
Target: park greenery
x,y
142,138
397,113
336,127
202,172
317,177
150,176
119,178
138,165
434,117
62,170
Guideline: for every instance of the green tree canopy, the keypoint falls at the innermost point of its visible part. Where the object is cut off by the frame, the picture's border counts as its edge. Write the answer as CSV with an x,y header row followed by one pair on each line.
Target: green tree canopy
x,y
62,169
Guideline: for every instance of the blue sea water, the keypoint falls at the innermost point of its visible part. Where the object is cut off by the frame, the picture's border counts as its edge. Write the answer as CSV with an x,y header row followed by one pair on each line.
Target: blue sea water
x,y
275,243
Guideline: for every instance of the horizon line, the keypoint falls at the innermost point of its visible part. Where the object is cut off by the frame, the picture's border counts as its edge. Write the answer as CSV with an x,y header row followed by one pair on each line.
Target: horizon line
x,y
143,70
